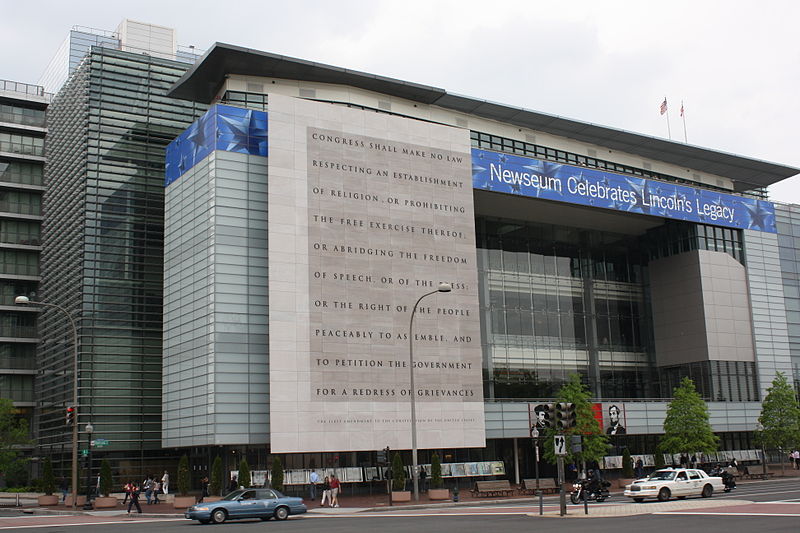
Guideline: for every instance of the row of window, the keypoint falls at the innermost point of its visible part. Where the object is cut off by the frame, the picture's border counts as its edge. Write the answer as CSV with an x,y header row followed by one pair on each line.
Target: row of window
x,y
22,115
21,144
21,172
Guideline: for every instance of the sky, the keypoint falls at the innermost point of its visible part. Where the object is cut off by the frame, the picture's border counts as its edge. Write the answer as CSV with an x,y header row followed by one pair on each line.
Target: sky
x,y
735,64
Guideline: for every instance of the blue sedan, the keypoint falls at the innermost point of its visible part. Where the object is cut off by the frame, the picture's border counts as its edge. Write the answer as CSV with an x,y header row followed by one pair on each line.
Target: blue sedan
x,y
247,503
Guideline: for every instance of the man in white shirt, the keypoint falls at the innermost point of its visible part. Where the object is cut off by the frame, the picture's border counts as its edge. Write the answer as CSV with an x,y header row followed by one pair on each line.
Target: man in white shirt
x,y
313,479
165,482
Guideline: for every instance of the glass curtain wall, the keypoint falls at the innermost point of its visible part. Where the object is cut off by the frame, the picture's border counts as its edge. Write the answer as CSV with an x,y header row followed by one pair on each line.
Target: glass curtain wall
x,y
557,300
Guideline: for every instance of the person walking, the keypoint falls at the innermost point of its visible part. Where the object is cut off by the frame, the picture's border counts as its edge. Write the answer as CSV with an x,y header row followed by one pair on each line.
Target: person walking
x,y
134,499
203,489
156,490
64,486
165,482
233,485
335,486
313,479
423,476
326,491
148,488
127,488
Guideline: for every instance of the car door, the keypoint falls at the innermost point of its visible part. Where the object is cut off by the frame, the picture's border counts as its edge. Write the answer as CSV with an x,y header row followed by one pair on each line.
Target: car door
x,y
682,484
268,501
696,482
245,506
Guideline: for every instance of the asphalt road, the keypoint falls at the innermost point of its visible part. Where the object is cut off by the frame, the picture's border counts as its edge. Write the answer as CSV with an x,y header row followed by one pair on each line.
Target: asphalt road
x,y
775,507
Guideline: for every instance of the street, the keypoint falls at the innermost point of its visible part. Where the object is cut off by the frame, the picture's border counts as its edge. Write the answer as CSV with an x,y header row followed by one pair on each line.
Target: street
x,y
772,506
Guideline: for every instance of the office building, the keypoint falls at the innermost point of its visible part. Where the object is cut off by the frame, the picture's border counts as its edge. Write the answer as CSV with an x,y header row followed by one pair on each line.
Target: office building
x,y
312,205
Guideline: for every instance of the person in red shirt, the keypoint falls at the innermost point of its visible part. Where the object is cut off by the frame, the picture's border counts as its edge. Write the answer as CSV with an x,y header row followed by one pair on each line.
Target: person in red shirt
x,y
334,491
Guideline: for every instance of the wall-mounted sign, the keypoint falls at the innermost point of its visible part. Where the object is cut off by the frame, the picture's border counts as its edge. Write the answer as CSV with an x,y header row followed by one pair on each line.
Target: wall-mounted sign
x,y
524,176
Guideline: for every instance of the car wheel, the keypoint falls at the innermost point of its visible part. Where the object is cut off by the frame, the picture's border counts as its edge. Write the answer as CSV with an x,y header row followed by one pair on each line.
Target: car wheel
x,y
281,513
219,516
638,500
664,494
708,490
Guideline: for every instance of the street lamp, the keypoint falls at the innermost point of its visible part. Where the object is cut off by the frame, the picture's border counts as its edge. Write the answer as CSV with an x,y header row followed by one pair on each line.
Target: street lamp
x,y
88,505
24,300
443,287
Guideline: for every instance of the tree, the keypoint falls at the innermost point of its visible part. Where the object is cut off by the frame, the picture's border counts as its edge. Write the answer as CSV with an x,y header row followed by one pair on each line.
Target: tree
x,y
215,483
183,476
627,464
277,474
436,471
398,473
686,426
48,479
106,478
13,433
244,473
780,417
595,442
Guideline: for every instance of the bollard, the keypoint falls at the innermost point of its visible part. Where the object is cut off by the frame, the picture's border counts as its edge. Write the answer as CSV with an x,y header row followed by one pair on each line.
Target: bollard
x,y
455,493
541,502
585,503
18,504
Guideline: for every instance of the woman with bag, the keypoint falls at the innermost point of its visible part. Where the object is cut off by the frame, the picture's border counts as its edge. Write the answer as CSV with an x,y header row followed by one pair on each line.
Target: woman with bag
x,y
326,491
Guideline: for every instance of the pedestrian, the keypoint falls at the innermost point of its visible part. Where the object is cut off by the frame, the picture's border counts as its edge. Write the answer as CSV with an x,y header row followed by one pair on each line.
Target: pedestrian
x,y
134,499
423,477
313,479
693,461
335,487
639,468
233,485
64,486
795,459
203,489
165,482
156,490
127,488
148,488
326,491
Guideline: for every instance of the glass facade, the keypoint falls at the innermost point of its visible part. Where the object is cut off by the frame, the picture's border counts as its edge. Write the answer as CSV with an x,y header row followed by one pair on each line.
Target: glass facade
x,y
103,242
788,219
558,300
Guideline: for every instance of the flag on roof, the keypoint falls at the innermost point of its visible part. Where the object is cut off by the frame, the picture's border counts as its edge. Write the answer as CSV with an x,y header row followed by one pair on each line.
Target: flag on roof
x,y
664,106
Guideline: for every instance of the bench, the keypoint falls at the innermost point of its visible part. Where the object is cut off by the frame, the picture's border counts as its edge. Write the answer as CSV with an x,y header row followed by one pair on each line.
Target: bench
x,y
545,485
492,488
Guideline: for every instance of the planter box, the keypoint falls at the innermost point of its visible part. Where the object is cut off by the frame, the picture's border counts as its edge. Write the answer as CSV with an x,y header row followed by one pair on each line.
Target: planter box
x,y
107,502
81,500
401,496
48,499
439,494
182,502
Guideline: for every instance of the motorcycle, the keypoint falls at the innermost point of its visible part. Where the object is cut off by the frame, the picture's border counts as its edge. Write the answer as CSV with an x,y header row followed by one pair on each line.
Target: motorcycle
x,y
727,478
589,489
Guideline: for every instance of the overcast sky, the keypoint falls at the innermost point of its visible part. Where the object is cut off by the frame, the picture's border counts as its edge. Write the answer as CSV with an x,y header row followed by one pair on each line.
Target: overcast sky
x,y
735,64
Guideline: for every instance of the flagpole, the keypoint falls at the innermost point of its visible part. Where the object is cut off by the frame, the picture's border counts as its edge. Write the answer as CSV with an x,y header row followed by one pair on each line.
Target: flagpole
x,y
669,132
683,116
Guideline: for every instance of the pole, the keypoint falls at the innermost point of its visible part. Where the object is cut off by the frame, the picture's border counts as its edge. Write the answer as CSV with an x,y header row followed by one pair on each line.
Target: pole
x,y
562,494
414,465
88,505
683,116
536,447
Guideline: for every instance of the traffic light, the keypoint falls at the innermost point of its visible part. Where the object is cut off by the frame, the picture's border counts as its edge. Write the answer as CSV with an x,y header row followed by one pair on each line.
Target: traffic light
x,y
70,415
383,456
564,415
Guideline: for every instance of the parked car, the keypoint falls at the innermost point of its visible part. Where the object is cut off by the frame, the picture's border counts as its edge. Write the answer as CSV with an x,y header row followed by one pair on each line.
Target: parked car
x,y
247,503
678,482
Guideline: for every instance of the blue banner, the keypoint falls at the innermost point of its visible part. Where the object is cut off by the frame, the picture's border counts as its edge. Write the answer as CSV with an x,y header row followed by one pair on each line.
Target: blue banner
x,y
222,127
493,171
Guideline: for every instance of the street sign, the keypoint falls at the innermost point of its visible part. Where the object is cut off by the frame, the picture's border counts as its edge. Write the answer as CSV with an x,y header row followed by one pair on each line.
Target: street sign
x,y
99,443
85,453
560,445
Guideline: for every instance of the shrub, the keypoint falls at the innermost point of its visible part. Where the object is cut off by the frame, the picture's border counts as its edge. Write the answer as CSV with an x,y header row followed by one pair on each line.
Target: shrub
x,y
215,483
183,476
277,474
398,473
436,471
627,464
48,479
244,473
106,479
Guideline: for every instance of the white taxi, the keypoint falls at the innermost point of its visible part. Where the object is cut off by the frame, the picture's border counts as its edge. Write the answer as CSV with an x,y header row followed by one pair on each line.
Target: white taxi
x,y
679,482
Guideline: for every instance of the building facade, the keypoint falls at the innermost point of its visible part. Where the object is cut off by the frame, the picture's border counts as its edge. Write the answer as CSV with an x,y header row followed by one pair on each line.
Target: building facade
x,y
22,132
298,202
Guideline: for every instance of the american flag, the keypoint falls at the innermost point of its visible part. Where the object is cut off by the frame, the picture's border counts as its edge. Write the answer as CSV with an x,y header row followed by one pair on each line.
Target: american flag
x,y
664,106
681,108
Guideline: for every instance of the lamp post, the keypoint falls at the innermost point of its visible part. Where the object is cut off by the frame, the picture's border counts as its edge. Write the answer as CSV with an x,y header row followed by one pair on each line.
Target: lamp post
x,y
24,300
443,287
88,505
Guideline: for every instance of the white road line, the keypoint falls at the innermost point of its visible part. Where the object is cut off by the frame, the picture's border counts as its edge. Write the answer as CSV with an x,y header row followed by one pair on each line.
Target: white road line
x,y
130,521
724,514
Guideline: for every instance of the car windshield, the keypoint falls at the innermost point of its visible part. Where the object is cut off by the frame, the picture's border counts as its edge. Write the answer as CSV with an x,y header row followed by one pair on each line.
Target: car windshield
x,y
233,495
662,475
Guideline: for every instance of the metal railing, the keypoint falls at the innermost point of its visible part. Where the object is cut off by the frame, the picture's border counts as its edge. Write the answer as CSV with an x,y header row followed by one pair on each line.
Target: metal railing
x,y
24,88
